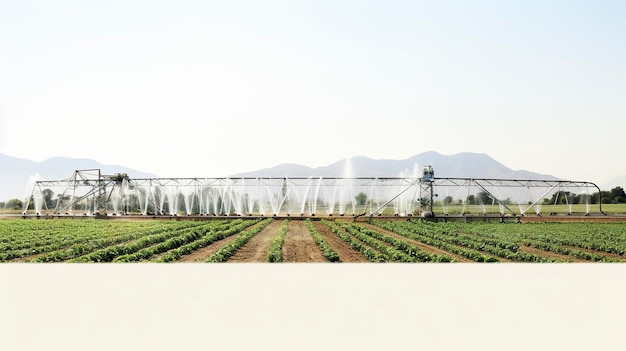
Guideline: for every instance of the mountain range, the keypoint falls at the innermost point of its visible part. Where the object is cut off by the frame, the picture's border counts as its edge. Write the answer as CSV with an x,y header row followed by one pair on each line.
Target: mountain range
x,y
462,165
16,172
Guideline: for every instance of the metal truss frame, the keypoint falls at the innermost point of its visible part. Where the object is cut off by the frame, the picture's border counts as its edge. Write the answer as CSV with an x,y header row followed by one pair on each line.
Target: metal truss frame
x,y
274,195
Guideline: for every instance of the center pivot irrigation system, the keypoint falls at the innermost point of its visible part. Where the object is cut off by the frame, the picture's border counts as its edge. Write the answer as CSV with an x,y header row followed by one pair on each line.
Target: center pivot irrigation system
x,y
91,193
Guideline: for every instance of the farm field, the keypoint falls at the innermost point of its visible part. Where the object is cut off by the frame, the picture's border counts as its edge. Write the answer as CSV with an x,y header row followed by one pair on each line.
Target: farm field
x,y
303,240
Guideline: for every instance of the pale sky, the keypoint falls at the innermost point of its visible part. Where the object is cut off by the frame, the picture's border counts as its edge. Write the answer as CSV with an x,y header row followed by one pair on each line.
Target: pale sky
x,y
213,88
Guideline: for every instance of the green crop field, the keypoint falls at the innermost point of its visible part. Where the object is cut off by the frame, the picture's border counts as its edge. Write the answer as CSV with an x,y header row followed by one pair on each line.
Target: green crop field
x,y
338,240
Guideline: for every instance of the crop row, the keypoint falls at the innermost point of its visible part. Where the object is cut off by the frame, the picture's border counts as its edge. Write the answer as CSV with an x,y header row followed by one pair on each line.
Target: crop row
x,y
172,243
85,245
209,238
15,234
606,237
568,251
65,236
276,250
380,247
367,252
391,253
498,247
326,249
376,239
408,230
229,249
108,254
562,238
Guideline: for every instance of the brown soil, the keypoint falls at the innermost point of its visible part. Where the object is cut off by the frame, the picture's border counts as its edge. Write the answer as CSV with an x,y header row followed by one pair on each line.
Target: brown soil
x,y
420,245
299,245
343,249
258,247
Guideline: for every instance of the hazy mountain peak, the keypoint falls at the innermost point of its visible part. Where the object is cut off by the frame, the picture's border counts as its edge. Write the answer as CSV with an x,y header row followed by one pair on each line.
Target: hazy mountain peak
x,y
461,165
16,172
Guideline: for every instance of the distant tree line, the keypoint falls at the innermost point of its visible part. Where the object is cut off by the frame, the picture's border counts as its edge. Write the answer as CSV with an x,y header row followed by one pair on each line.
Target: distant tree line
x,y
616,195
16,204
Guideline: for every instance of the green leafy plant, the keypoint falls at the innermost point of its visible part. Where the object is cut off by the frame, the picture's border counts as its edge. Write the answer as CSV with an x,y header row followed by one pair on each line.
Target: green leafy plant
x,y
276,250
